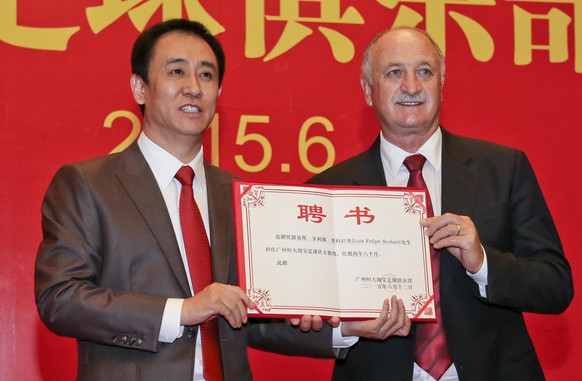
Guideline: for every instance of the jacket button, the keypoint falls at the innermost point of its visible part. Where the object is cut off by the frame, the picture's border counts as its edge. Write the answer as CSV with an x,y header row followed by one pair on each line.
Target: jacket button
x,y
120,339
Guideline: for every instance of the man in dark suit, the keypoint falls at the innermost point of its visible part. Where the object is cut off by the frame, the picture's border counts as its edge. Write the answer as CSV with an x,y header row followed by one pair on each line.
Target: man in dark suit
x,y
500,254
112,269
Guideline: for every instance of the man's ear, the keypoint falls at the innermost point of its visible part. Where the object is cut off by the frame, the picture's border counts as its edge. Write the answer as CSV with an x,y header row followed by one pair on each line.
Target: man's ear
x,y
137,88
367,90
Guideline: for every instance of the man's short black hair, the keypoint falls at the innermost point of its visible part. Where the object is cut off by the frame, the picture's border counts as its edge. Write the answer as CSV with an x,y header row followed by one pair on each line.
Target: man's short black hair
x,y
143,47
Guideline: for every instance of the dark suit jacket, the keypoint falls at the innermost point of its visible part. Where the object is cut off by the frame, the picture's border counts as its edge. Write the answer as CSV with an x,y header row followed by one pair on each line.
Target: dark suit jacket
x,y
487,337
109,260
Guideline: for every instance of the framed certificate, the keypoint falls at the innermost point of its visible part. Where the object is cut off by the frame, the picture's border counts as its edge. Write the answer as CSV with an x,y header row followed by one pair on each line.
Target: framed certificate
x,y
332,251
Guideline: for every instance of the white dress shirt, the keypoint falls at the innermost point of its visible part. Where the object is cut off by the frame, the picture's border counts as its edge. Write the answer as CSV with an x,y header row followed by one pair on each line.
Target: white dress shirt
x,y
397,176
164,166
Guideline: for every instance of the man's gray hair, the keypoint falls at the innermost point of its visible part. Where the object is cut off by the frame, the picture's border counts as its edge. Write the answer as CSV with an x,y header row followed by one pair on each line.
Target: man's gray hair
x,y
367,65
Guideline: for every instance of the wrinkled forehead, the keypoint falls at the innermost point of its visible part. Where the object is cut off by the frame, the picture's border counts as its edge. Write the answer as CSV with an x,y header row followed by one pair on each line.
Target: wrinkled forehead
x,y
404,46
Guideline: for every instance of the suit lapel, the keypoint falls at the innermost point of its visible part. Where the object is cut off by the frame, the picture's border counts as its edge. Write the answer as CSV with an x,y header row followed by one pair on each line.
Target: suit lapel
x,y
459,194
140,183
221,221
371,171
459,182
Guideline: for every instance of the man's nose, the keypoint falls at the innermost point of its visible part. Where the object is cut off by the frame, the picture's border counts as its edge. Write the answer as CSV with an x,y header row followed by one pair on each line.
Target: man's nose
x,y
410,84
192,87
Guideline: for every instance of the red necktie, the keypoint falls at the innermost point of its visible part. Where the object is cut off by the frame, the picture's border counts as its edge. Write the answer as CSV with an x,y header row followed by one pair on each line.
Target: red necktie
x,y
200,264
431,345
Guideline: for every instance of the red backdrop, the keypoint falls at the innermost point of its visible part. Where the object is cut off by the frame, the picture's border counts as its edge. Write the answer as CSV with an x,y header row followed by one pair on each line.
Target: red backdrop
x,y
291,105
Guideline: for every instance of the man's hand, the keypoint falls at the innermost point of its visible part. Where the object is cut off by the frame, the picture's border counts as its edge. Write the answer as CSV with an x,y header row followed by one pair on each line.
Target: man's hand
x,y
459,236
217,299
393,322
315,323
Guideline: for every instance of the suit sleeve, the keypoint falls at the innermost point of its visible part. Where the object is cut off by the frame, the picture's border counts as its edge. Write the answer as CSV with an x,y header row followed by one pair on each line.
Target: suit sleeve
x,y
531,274
70,299
278,336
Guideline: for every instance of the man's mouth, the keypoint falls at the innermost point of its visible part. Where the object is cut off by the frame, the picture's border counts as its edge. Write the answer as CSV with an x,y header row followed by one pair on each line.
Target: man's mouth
x,y
190,108
409,103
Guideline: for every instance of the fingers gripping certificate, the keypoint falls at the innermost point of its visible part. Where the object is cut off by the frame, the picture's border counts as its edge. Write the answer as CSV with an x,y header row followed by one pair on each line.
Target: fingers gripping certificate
x,y
332,251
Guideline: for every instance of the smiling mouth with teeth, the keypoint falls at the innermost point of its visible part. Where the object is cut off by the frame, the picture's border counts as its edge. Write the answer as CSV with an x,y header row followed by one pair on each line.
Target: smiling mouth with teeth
x,y
190,109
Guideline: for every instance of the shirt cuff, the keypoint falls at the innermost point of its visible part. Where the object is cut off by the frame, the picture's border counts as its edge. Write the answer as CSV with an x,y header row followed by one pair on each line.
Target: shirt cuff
x,y
339,341
480,277
171,329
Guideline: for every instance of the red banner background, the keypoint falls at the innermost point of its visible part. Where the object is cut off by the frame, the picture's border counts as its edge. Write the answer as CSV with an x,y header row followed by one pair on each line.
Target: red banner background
x,y
279,119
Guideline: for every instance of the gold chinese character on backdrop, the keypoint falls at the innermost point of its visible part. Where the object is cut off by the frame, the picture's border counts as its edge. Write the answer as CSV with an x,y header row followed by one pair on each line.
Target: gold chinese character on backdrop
x,y
480,40
140,12
558,22
296,27
31,37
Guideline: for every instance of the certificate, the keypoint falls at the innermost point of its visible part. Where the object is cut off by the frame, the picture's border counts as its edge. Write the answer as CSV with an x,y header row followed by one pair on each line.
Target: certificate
x,y
332,251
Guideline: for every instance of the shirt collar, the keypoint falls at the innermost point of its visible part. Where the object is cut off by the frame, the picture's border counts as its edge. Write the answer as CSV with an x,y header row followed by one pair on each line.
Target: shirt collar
x,y
393,156
164,165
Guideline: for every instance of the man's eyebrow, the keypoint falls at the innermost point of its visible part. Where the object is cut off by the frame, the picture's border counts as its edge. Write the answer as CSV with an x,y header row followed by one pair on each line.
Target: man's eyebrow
x,y
427,63
419,63
393,65
208,64
175,60
180,60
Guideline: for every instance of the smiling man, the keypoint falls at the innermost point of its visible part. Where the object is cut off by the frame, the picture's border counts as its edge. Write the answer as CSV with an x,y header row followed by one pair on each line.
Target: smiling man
x,y
403,84
180,88
137,260
496,250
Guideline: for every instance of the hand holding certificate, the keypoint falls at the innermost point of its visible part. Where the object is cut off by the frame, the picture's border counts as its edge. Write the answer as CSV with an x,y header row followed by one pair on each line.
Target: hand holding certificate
x,y
332,251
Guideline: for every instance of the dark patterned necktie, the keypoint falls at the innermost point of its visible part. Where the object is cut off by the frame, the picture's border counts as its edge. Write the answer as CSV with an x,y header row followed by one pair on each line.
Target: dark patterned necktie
x,y
200,265
431,345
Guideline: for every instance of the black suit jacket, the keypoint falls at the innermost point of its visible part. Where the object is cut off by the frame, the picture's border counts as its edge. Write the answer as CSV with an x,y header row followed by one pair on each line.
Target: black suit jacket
x,y
487,337
109,260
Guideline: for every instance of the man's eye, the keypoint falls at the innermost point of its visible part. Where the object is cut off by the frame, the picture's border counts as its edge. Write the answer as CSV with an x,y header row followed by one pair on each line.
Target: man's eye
x,y
176,71
425,73
394,73
207,75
